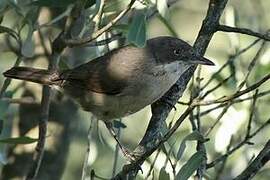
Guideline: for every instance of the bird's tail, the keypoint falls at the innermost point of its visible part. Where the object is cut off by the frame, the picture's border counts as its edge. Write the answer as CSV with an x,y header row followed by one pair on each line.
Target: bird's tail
x,y
40,76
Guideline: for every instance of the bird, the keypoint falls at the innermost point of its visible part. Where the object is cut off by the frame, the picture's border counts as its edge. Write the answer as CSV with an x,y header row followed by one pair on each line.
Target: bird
x,y
123,81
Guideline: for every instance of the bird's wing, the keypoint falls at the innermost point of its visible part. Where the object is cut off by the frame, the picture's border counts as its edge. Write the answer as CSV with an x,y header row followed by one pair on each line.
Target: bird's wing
x,y
95,76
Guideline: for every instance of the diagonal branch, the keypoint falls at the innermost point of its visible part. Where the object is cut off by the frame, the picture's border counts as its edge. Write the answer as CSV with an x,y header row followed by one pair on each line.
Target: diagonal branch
x,y
96,34
160,110
239,145
45,107
252,169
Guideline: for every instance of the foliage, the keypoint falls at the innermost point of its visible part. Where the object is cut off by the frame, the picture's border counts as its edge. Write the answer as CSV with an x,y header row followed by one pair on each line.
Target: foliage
x,y
223,132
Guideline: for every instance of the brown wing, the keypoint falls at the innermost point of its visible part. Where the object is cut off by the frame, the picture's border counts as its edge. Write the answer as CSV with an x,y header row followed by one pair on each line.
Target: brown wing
x,y
95,76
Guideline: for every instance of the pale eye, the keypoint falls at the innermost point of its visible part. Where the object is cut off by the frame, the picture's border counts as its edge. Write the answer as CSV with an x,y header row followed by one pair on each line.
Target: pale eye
x,y
176,52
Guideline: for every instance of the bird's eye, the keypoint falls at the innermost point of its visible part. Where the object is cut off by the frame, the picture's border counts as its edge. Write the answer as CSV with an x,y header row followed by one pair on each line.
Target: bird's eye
x,y
176,52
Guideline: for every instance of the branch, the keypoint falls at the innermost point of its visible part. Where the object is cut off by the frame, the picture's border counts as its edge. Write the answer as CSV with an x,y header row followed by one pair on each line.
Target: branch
x,y
235,95
249,32
105,41
243,142
23,100
96,34
160,109
42,125
253,168
45,107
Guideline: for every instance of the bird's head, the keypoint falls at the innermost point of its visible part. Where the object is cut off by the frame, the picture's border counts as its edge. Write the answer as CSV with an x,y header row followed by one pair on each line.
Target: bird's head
x,y
166,49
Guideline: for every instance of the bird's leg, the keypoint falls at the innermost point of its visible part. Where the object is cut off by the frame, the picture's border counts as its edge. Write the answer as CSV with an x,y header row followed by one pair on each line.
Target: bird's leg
x,y
124,150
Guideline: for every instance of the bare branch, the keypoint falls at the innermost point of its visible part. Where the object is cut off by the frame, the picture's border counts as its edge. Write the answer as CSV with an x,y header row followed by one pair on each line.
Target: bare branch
x,y
160,110
45,106
235,95
225,28
245,141
24,100
96,34
105,41
253,168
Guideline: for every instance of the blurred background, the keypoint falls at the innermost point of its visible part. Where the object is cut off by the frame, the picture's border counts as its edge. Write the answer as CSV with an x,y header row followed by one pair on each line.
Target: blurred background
x,y
67,140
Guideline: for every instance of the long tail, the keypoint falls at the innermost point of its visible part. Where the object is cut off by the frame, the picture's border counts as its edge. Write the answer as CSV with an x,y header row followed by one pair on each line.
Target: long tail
x,y
40,76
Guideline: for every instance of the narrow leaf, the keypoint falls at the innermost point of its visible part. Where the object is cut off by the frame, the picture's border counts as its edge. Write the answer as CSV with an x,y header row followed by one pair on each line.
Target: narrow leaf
x,y
137,30
163,175
191,166
63,65
194,136
122,27
28,45
19,140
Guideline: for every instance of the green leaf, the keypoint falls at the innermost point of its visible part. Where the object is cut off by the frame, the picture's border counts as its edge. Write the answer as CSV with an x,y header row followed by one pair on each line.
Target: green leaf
x,y
19,140
28,45
163,175
122,27
194,136
137,30
191,166
63,65
3,6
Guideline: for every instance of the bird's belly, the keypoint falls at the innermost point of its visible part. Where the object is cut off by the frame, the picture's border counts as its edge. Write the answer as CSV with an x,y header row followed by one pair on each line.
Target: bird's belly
x,y
134,98
109,107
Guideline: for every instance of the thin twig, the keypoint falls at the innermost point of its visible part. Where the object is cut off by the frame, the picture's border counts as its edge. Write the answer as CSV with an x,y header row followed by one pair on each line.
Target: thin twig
x,y
96,34
252,110
253,167
38,155
105,41
152,138
246,31
116,152
252,65
239,100
23,100
43,121
218,119
223,163
233,57
86,173
235,95
153,164
217,86
200,145
98,16
243,142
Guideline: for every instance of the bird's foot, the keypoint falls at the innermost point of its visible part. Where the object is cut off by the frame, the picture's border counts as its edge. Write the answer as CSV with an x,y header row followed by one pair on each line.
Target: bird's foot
x,y
129,155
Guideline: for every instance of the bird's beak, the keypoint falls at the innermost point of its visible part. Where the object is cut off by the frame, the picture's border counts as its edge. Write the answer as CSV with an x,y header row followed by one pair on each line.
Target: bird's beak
x,y
201,60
